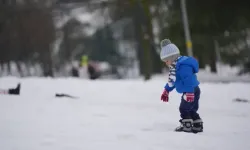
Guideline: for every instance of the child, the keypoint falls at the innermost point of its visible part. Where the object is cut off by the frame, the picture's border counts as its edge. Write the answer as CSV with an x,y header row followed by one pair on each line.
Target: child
x,y
182,77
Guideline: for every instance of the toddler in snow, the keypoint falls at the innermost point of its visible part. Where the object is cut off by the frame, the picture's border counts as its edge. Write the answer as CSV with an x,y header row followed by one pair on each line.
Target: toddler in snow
x,y
182,77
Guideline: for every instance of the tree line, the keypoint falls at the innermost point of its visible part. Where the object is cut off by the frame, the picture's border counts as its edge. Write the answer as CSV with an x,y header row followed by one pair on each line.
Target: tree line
x,y
32,32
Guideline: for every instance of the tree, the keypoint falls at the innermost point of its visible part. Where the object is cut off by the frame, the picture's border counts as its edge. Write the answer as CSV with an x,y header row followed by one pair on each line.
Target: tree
x,y
207,21
235,49
27,29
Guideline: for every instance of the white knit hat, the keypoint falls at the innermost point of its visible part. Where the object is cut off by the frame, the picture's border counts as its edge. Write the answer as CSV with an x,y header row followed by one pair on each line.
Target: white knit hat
x,y
169,51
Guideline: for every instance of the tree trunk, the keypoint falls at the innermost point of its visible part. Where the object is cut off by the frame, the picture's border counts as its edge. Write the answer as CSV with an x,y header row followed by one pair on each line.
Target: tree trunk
x,y
156,62
9,68
147,40
200,58
138,32
212,59
19,68
47,63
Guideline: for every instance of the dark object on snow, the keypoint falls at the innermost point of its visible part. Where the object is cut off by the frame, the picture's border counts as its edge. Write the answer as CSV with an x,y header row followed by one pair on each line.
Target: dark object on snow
x,y
241,100
15,91
65,95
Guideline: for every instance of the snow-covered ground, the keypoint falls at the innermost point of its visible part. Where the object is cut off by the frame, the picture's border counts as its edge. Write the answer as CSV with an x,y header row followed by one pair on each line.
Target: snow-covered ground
x,y
118,115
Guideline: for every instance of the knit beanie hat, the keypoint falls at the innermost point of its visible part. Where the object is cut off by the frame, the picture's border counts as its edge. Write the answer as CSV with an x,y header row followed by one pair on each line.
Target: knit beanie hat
x,y
169,51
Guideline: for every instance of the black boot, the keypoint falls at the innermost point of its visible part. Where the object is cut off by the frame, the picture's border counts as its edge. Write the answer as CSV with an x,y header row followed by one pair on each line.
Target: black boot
x,y
197,126
186,125
15,91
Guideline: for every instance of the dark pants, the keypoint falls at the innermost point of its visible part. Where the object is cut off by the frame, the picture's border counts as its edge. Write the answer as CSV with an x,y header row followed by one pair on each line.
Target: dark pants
x,y
188,110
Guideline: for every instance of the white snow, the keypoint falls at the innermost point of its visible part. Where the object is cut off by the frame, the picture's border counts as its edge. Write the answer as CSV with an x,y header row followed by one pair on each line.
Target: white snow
x,y
118,115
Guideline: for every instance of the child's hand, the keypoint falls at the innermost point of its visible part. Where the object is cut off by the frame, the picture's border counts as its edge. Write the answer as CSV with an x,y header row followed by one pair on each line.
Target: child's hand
x,y
164,96
189,97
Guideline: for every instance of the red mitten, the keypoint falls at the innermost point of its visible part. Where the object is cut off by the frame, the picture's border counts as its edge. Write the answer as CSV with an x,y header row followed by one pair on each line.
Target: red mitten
x,y
164,96
189,97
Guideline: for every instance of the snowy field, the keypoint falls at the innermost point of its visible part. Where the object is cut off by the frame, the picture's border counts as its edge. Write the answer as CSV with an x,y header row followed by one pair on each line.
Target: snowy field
x,y
118,115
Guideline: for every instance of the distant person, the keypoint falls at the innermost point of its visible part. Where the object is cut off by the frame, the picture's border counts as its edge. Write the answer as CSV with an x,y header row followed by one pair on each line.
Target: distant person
x,y
75,71
93,71
182,77
11,91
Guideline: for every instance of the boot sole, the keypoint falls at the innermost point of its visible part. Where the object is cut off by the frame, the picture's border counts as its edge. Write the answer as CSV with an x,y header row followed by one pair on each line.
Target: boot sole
x,y
195,132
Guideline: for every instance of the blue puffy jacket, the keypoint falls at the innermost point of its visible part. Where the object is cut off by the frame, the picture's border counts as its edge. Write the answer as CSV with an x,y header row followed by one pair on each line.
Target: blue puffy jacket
x,y
186,79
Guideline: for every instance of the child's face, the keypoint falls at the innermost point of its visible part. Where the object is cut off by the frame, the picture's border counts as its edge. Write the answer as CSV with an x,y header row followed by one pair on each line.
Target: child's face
x,y
168,62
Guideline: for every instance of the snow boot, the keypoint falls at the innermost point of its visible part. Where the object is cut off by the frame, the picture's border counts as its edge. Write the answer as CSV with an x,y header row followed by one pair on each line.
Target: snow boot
x,y
15,91
197,126
186,125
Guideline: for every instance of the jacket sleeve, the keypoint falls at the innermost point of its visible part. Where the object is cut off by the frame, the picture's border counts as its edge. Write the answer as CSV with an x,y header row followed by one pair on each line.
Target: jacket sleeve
x,y
186,75
168,88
